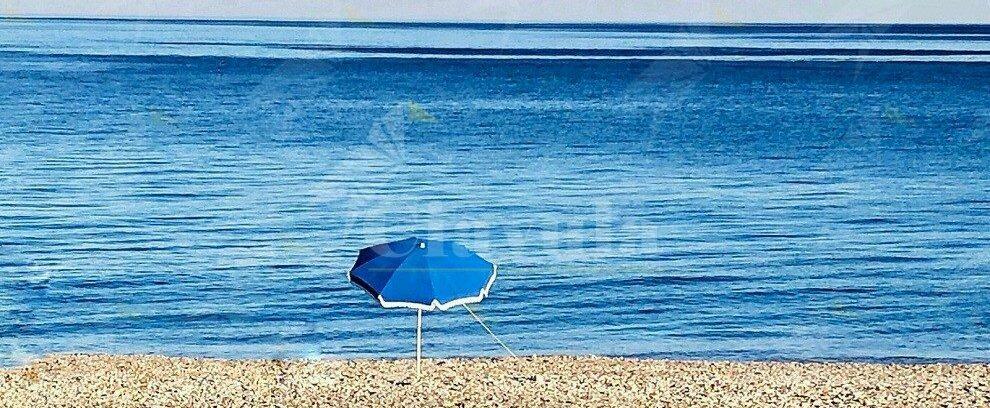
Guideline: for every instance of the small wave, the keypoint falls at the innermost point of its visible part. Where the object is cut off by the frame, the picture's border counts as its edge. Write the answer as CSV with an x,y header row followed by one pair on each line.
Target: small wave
x,y
894,259
685,280
869,221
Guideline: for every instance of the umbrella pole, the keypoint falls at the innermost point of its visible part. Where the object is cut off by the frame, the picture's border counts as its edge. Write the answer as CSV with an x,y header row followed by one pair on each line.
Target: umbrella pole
x,y
419,338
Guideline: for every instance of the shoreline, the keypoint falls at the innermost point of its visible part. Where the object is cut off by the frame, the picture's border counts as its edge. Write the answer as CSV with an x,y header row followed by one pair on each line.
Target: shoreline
x,y
152,380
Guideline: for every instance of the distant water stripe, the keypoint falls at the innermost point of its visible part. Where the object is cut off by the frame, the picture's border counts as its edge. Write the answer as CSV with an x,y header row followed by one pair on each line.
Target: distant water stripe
x,y
608,52
315,55
339,40
728,28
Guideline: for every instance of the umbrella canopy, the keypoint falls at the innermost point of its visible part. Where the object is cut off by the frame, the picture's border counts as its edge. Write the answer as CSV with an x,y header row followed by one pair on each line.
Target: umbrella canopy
x,y
423,274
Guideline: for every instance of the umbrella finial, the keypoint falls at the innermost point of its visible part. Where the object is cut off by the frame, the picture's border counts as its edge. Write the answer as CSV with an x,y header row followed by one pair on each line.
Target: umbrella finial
x,y
422,244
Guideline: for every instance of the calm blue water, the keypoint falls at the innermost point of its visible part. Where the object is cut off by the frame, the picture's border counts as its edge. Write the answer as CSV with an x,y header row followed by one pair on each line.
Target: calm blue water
x,y
753,192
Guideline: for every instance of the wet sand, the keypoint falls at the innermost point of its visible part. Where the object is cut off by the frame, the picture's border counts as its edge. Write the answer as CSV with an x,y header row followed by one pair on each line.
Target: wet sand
x,y
155,381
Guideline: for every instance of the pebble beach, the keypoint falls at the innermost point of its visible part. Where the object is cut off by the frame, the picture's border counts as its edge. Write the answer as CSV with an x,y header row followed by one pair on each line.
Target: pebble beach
x,y
158,381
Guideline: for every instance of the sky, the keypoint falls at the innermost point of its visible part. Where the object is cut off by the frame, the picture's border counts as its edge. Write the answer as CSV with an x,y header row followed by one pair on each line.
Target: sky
x,y
718,11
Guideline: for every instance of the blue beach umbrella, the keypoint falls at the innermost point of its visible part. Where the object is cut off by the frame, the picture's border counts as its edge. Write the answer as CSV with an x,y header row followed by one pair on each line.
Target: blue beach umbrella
x,y
423,275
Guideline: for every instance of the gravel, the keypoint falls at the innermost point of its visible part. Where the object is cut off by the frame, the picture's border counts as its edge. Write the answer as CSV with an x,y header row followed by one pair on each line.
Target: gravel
x,y
157,381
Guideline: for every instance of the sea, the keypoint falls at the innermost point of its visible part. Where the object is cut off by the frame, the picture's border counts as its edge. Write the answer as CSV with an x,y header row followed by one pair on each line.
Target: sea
x,y
730,192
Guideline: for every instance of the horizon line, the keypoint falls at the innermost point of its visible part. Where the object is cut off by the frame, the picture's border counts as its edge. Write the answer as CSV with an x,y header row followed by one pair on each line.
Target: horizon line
x,y
481,22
